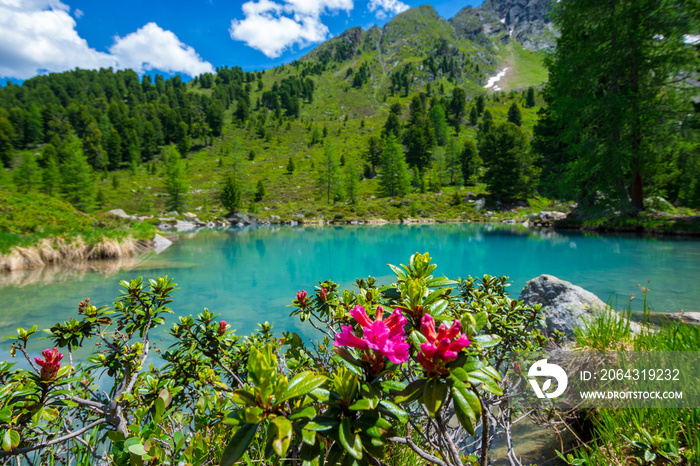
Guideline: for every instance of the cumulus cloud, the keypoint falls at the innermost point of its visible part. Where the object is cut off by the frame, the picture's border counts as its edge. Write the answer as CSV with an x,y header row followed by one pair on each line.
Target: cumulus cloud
x,y
273,27
152,47
39,36
386,8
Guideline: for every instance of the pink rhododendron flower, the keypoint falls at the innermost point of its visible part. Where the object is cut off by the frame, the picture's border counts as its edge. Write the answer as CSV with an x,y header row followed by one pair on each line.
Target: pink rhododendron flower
x,y
301,297
442,346
50,364
323,295
222,327
387,337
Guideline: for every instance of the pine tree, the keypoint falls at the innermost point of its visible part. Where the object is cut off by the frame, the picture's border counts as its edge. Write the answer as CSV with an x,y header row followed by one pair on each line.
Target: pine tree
x,y
514,115
473,116
439,123
290,165
470,162
259,191
175,178
27,174
510,172
530,98
51,177
328,181
230,196
352,181
480,104
395,180
620,89
77,183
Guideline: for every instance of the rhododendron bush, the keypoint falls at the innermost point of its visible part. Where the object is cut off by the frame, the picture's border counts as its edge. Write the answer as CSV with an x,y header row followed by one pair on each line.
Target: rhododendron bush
x,y
415,370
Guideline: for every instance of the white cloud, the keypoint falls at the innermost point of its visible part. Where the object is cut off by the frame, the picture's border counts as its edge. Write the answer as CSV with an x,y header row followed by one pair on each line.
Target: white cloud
x,y
386,8
152,47
34,38
39,36
273,27
78,13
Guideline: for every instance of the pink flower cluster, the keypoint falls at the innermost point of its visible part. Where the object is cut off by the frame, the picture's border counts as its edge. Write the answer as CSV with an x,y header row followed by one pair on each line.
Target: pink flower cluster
x,y
50,364
387,337
442,346
301,298
222,327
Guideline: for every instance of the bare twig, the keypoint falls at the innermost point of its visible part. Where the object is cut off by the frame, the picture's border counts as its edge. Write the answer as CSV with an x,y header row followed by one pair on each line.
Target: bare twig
x,y
418,451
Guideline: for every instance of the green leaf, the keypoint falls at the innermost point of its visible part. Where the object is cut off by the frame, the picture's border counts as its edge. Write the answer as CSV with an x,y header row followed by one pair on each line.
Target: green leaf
x,y
282,435
433,395
438,309
411,392
63,371
649,455
306,411
308,436
137,449
481,319
440,282
302,384
166,397
463,410
238,444
243,398
417,338
487,341
389,408
10,440
350,440
49,414
363,404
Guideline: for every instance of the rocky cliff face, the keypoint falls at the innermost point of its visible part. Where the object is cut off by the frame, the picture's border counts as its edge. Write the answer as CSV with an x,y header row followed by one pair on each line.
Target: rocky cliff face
x,y
526,21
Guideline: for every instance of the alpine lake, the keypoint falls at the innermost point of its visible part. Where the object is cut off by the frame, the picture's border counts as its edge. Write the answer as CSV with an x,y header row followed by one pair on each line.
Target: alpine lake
x,y
250,275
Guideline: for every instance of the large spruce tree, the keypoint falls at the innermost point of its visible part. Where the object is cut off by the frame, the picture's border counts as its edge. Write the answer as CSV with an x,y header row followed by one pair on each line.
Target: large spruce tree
x,y
619,90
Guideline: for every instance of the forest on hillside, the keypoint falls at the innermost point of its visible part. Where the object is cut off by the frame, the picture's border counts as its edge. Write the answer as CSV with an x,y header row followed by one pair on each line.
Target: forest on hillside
x,y
617,122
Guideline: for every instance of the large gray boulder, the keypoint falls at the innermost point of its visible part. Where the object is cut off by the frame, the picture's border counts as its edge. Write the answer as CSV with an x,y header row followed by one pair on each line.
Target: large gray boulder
x,y
565,305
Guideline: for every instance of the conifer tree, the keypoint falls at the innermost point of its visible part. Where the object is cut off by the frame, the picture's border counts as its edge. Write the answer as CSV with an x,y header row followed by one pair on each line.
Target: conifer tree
x,y
230,196
328,180
175,178
352,181
27,174
395,180
290,165
470,162
77,183
510,172
530,98
51,177
514,115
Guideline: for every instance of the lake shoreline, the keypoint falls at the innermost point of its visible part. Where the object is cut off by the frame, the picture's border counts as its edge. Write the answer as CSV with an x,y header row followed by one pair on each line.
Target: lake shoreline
x,y
56,250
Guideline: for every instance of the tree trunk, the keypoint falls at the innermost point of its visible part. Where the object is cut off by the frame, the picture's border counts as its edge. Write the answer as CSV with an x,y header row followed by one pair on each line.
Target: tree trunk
x,y
637,193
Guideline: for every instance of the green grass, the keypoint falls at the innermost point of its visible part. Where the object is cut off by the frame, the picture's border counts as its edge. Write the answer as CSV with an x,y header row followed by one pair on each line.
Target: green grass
x,y
25,219
674,433
525,67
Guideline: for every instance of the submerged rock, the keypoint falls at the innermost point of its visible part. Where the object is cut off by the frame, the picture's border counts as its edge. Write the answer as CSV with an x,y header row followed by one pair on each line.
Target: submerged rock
x,y
160,243
566,306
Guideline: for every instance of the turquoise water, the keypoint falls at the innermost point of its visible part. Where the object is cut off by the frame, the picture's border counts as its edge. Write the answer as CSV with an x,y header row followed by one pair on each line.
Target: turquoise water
x,y
250,275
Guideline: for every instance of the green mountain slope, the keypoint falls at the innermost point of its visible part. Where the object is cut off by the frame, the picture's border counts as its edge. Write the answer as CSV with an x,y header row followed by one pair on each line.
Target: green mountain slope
x,y
253,124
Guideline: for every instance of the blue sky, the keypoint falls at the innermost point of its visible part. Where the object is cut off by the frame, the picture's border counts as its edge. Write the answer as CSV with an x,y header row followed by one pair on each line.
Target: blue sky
x,y
186,37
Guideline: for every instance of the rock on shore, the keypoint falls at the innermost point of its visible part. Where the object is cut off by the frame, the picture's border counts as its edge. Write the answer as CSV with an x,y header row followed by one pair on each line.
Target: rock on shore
x,y
565,305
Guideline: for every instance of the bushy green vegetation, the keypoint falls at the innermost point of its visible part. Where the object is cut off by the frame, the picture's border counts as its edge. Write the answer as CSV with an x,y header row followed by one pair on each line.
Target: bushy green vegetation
x,y
217,398
642,436
27,218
